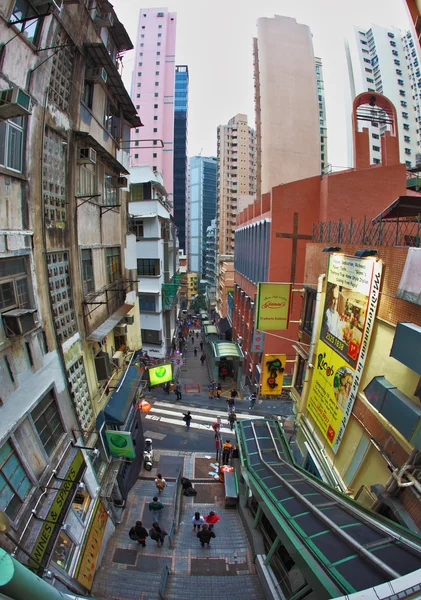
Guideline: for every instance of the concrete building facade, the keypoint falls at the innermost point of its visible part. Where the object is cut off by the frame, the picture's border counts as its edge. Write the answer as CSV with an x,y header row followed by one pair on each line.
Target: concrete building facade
x,y
153,93
210,264
180,150
287,108
322,114
68,304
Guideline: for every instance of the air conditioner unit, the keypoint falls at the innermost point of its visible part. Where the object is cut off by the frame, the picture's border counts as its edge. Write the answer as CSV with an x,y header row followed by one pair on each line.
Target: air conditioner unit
x,y
87,156
14,102
102,366
43,6
129,320
118,358
104,19
19,321
119,182
120,329
98,75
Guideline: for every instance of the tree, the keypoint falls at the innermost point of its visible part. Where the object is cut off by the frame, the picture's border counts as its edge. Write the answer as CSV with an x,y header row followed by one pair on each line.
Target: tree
x,y
198,303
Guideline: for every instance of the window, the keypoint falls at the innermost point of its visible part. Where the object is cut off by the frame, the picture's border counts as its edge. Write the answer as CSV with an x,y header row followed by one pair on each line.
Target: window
x,y
138,106
155,130
141,45
61,294
393,44
155,106
407,138
82,501
61,80
159,43
14,483
376,136
406,126
155,142
159,34
398,72
48,423
368,70
369,80
155,118
407,150
402,93
408,163
32,28
139,74
404,103
148,267
110,193
367,60
112,264
158,54
87,271
397,62
140,53
154,155
11,143
14,288
137,95
142,35
376,161
63,552
395,53
400,82
147,302
405,115
309,310
391,35
158,62
136,227
156,83
156,94
88,93
136,156
376,148
300,374
150,336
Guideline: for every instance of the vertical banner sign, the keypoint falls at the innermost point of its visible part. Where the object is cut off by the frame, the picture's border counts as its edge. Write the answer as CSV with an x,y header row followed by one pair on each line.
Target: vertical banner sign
x,y
352,292
273,374
88,557
258,341
272,306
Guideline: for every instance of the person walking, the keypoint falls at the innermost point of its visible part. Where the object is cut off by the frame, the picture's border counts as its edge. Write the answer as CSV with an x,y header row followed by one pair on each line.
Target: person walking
x,y
232,419
226,452
177,391
218,390
197,335
201,346
187,419
205,536
158,534
217,446
230,405
195,351
235,452
141,533
252,400
167,387
224,372
156,507
234,393
211,389
160,483
197,521
217,426
202,359
192,339
211,519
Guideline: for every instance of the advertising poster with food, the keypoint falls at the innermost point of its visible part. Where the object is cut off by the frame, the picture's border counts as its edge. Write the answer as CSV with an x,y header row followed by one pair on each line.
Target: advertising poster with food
x,y
352,290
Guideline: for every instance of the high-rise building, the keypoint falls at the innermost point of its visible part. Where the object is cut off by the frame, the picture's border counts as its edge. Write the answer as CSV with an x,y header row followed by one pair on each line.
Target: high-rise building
x,y
153,93
180,150
322,113
210,264
387,61
287,109
202,209
236,186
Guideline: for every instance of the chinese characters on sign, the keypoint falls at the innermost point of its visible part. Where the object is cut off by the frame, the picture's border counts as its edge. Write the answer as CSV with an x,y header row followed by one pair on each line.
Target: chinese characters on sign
x,y
258,341
272,306
352,291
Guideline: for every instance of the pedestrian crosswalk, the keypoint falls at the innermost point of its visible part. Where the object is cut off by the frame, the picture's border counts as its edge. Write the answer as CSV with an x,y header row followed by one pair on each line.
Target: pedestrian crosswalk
x,y
202,418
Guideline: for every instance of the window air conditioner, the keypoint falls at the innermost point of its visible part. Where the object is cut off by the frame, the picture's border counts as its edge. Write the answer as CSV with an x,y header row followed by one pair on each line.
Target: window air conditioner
x,y
119,182
98,75
19,321
118,358
120,329
104,19
14,102
87,156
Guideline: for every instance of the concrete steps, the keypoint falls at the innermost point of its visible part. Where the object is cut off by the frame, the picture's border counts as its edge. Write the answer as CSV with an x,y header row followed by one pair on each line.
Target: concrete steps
x,y
184,587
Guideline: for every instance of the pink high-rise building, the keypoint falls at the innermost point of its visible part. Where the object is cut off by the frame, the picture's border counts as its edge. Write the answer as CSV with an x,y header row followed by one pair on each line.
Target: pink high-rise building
x,y
153,93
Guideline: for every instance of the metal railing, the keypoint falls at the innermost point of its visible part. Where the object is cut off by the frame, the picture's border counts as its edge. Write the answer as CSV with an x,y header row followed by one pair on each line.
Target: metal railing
x,y
368,233
175,520
163,583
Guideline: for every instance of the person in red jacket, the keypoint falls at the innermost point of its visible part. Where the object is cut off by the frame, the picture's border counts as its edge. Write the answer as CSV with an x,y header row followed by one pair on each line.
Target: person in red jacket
x,y
211,519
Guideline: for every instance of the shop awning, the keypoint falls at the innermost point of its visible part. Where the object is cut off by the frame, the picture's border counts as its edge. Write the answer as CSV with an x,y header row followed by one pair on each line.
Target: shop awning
x,y
224,325
403,207
211,330
123,396
222,349
104,329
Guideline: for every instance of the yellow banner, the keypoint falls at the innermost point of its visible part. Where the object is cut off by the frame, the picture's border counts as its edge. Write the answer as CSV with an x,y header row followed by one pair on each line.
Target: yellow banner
x,y
272,306
85,569
273,374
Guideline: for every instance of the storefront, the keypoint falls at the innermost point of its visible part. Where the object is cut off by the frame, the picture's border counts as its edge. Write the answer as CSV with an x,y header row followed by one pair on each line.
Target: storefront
x,y
228,354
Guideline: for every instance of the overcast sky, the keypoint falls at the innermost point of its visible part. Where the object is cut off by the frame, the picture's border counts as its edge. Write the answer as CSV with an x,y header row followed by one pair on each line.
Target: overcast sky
x,y
214,38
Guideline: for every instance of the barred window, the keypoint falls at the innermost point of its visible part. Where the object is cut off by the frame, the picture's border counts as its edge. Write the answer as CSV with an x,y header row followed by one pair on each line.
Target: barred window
x,y
14,482
87,180
48,423
112,263
87,271
61,294
11,143
14,286
54,176
61,72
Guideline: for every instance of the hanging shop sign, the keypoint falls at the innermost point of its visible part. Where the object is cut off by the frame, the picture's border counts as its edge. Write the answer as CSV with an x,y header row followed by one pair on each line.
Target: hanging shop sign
x,y
85,569
160,374
56,514
120,444
273,374
352,291
258,341
272,306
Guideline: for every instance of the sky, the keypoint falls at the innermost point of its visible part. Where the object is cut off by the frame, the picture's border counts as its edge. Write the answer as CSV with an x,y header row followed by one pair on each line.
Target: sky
x,y
215,40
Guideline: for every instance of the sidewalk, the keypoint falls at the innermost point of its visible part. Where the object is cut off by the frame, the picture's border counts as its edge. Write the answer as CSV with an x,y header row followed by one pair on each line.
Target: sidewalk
x,y
224,571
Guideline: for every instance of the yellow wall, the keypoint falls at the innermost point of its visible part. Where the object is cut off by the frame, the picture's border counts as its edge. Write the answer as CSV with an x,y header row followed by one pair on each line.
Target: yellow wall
x,y
373,470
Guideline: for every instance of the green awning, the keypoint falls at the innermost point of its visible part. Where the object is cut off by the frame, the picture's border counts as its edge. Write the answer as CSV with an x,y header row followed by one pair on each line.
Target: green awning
x,y
206,323
211,330
223,349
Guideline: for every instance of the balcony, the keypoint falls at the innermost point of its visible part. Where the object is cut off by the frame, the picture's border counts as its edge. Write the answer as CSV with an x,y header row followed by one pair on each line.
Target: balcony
x,y
169,291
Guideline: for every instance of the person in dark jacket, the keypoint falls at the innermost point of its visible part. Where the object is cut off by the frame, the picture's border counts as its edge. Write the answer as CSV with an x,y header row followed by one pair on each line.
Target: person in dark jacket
x,y
141,533
205,536
158,534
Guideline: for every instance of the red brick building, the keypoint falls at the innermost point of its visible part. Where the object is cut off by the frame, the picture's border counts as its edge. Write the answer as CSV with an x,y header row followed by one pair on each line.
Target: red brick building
x,y
272,233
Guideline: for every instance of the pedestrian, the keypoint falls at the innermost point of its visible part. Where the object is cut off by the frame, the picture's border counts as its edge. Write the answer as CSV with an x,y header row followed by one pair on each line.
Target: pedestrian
x,y
197,521
230,405
211,519
160,483
202,359
201,346
218,390
197,334
167,387
234,393
141,533
205,536
232,419
158,534
235,452
177,391
226,452
211,387
195,351
217,426
224,372
252,400
156,508
192,339
217,446
174,347
187,419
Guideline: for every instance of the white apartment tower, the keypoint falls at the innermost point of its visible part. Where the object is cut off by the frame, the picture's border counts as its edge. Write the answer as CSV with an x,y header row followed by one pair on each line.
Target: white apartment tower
x,y
387,61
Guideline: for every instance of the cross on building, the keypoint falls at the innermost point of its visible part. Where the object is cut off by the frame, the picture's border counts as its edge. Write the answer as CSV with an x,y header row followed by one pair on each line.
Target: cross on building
x,y
294,236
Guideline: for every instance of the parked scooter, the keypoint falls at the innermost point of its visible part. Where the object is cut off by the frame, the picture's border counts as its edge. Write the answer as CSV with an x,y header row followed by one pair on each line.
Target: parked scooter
x,y
148,454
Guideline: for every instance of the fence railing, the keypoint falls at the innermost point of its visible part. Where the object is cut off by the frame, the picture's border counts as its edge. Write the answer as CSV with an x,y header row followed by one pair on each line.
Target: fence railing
x,y
174,522
381,233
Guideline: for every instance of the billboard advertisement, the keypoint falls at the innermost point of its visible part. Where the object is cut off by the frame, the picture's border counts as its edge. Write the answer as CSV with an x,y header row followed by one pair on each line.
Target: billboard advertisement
x,y
160,374
273,374
352,290
88,557
120,444
272,306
